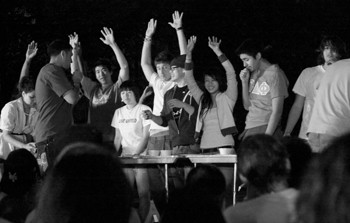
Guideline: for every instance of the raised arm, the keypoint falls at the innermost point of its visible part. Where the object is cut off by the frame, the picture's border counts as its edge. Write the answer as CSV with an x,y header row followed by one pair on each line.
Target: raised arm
x,y
177,25
231,91
76,64
189,78
32,49
146,60
245,76
123,63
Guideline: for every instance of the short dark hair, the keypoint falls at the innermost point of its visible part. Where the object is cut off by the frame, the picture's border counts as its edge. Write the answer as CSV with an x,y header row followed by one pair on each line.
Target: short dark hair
x,y
86,184
56,46
163,57
131,86
250,47
103,62
262,159
335,43
26,84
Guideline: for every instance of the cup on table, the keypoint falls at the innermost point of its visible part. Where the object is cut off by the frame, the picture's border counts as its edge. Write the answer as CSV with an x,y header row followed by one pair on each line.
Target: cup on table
x,y
165,152
226,151
153,152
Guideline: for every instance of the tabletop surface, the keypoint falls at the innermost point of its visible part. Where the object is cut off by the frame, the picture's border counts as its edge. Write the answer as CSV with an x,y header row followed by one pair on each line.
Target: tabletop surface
x,y
194,158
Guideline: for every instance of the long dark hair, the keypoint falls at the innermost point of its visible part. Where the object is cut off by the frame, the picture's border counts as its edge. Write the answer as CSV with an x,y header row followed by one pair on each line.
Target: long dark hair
x,y
207,102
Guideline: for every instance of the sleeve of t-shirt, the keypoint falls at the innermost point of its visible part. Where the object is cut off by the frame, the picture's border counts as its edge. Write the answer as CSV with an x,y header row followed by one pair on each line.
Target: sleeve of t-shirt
x,y
58,82
8,118
156,82
300,84
115,120
279,86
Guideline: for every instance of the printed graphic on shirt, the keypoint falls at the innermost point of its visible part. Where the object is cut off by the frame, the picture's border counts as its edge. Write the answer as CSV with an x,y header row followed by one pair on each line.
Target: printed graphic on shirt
x,y
100,98
261,89
132,120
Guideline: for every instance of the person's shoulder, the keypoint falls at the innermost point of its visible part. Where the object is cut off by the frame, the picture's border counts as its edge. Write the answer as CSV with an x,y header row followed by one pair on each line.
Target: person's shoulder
x,y
144,107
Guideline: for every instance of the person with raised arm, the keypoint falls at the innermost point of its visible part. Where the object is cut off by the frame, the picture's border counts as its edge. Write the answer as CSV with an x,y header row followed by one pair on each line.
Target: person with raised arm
x,y
216,104
18,117
159,80
103,95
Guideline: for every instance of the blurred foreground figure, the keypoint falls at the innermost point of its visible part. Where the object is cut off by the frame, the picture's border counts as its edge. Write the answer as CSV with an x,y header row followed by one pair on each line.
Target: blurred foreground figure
x,y
324,194
86,184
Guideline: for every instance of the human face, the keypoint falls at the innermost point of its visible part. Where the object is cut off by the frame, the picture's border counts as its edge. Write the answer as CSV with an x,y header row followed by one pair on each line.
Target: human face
x,y
29,98
66,58
177,74
103,75
128,97
330,55
211,84
250,62
163,70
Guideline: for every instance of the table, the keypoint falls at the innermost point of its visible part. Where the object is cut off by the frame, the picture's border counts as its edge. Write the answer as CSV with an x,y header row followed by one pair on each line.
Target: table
x,y
194,158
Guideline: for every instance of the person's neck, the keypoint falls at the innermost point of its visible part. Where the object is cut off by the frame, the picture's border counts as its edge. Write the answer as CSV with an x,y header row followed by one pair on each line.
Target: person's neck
x,y
130,106
106,85
264,64
55,61
181,83
26,107
279,186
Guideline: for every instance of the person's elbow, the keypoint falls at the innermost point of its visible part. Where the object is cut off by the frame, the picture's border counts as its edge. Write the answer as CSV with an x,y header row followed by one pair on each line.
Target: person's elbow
x,y
71,97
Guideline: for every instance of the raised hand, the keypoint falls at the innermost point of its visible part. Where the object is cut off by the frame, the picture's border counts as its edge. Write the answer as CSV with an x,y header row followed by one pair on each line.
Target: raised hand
x,y
31,50
177,20
151,28
73,39
213,43
108,36
190,44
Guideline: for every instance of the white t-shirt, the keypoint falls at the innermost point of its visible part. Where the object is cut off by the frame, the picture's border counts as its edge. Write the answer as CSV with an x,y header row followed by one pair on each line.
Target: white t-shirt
x,y
307,84
130,124
13,120
331,113
159,88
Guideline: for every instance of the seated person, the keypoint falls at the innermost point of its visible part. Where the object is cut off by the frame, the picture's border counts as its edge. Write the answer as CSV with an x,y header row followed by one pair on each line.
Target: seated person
x,y
263,164
85,184
18,185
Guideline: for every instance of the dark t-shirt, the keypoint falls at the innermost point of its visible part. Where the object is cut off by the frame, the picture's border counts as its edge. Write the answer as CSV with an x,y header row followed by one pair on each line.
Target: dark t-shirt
x,y
180,92
55,113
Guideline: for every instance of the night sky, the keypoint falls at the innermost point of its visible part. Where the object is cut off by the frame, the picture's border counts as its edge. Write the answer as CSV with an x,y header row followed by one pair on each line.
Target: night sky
x,y
293,28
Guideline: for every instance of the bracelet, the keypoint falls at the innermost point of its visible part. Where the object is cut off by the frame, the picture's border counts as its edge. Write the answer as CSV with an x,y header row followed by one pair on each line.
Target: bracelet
x,y
188,66
222,58
148,39
180,28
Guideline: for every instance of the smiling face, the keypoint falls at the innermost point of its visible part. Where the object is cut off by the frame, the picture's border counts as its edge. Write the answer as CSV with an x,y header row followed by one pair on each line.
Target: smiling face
x,y
163,70
128,97
211,84
103,75
29,98
250,62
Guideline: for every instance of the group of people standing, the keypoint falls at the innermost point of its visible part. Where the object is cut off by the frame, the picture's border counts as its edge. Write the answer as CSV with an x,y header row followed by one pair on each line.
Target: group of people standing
x,y
185,118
